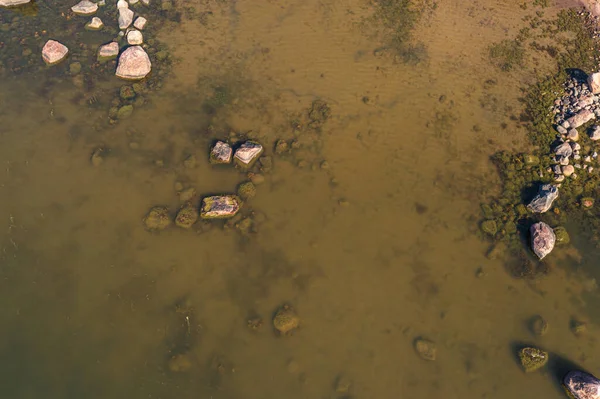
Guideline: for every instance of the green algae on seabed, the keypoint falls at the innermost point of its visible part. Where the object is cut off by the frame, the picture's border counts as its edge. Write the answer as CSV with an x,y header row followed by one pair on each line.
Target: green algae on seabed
x,y
521,174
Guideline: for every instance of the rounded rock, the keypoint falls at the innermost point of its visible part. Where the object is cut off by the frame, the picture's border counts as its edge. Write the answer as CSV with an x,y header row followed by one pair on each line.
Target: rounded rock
x,y
246,190
580,385
134,64
187,216
286,320
135,37
532,359
157,219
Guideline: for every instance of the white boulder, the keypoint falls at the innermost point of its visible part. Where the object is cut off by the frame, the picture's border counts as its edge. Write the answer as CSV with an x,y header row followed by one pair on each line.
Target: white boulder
x,y
593,82
85,7
134,37
12,3
95,24
125,18
54,52
542,239
134,64
108,51
140,23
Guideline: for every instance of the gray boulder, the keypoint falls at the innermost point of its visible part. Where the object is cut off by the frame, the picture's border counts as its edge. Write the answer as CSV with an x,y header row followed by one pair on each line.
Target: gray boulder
x,y
563,151
581,118
582,385
542,202
542,239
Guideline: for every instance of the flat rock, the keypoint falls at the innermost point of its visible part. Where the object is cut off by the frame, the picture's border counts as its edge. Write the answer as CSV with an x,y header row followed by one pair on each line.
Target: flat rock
x,y
542,239
582,385
219,207
134,64
54,52
108,51
140,23
542,202
135,37
85,8
248,153
95,24
13,3
593,82
581,118
125,18
221,153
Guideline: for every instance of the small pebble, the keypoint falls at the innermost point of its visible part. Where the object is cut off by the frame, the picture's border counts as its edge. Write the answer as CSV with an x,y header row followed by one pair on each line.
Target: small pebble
x,y
426,349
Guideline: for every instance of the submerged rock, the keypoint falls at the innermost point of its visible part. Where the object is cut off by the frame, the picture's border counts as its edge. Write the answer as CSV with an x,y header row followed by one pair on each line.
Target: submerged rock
x,y
426,349
582,385
157,218
593,82
187,216
286,320
532,359
220,153
85,8
562,236
538,325
219,207
54,52
95,24
13,3
246,190
179,364
582,117
134,64
542,239
108,51
489,227
125,17
542,202
248,153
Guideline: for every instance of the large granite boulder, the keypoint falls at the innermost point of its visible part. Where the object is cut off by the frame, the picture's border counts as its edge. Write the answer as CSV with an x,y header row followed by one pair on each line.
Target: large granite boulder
x,y
542,239
54,52
134,64
582,117
542,202
593,82
582,385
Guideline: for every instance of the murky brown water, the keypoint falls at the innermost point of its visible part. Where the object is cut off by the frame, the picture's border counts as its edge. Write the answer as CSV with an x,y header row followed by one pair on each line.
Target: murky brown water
x,y
376,250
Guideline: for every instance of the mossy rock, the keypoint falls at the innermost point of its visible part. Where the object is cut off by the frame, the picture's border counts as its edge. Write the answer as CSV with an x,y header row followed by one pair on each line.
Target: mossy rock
x,y
246,190
157,219
562,236
286,320
489,227
125,112
487,211
532,359
521,210
510,227
127,93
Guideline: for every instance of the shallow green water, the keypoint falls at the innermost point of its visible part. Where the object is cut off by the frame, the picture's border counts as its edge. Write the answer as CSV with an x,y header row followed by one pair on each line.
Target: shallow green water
x,y
375,248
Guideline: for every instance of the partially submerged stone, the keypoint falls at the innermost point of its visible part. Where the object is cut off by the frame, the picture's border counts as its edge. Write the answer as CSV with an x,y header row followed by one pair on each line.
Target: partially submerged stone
x,y
542,202
286,320
580,385
220,153
532,359
157,218
248,153
134,64
542,239
219,207
13,3
187,216
593,82
595,133
581,118
426,349
54,52
108,51
562,236
140,23
85,8
134,37
125,18
95,24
